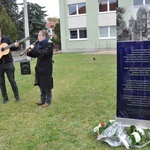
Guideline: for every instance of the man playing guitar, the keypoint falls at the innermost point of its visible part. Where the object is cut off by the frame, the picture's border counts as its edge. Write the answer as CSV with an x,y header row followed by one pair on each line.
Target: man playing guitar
x,y
7,67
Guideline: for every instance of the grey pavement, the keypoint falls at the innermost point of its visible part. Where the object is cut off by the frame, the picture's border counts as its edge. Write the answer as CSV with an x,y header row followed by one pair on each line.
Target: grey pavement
x,y
102,52
17,57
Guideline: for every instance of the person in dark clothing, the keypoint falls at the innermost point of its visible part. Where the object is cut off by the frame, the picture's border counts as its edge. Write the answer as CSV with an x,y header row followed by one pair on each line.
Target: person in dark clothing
x,y
7,66
43,51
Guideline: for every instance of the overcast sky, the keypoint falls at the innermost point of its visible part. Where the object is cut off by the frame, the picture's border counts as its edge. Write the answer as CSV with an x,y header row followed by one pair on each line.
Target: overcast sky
x,y
51,6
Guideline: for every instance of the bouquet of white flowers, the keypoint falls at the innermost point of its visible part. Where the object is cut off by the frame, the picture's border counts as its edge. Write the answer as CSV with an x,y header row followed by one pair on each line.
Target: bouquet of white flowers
x,y
115,134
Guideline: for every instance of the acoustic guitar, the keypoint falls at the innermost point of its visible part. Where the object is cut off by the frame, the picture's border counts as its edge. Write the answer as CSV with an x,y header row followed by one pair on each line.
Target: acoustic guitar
x,y
5,48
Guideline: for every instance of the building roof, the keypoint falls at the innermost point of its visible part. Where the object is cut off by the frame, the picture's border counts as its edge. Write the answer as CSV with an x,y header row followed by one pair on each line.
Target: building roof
x,y
50,24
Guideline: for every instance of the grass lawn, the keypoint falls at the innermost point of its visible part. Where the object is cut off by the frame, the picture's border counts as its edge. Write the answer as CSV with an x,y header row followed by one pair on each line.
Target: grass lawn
x,y
84,95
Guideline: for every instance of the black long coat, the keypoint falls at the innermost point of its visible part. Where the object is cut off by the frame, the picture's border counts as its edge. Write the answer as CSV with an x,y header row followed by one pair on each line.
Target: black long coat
x,y
44,65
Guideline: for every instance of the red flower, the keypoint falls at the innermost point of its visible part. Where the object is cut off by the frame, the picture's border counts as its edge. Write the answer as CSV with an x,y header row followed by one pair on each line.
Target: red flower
x,y
102,124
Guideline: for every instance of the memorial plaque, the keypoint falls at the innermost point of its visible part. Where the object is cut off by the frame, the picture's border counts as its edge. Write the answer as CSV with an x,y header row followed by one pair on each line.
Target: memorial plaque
x,y
133,80
133,66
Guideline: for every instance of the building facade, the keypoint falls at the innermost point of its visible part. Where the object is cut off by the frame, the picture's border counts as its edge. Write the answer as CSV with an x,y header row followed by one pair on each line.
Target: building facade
x,y
88,25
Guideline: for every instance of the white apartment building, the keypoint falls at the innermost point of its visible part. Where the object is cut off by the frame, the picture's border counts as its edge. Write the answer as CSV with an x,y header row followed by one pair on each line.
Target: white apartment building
x,y
88,25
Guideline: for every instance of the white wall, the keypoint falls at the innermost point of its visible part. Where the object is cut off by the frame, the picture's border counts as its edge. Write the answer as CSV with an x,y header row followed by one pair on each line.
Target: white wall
x,y
107,19
77,21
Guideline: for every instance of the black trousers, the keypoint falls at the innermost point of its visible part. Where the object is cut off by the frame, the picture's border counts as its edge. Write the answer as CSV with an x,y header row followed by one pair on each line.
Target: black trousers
x,y
9,69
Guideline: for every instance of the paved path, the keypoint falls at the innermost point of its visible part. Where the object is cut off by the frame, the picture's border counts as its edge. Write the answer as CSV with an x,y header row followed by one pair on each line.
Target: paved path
x,y
102,52
17,57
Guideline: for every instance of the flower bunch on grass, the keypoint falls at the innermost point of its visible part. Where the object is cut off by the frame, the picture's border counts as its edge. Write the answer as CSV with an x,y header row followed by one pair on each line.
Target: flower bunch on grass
x,y
101,127
138,136
115,134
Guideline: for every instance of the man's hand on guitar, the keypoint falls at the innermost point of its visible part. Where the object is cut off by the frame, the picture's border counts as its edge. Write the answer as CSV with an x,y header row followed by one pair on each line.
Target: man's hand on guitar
x,y
16,44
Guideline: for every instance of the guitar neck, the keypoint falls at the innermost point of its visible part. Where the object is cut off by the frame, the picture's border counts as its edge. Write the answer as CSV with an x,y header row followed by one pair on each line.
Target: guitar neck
x,y
11,45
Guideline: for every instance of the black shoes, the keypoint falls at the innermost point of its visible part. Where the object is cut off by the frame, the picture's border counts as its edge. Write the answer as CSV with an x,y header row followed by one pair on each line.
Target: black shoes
x,y
17,98
6,99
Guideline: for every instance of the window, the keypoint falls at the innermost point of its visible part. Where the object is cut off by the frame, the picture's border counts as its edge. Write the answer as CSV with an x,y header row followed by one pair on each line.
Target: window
x,y
140,2
103,6
81,8
112,31
78,33
82,33
147,1
137,2
107,31
76,9
103,31
72,10
108,5
73,34
113,4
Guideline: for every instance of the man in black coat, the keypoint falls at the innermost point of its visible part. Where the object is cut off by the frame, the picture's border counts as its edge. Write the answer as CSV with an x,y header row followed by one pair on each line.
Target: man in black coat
x,y
43,51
